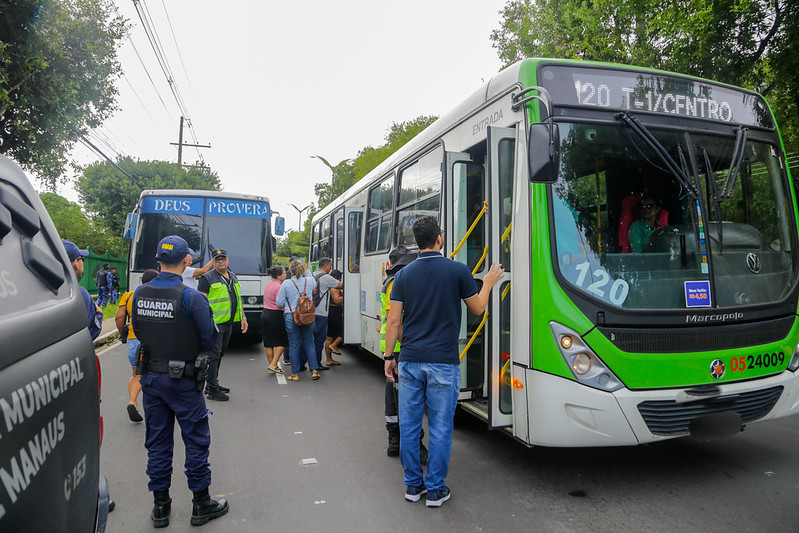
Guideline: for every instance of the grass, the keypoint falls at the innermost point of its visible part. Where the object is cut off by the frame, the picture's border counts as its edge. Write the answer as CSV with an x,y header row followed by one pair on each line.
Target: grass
x,y
110,311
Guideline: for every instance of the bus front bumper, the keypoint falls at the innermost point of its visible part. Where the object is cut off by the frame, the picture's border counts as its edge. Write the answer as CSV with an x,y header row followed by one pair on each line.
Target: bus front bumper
x,y
564,413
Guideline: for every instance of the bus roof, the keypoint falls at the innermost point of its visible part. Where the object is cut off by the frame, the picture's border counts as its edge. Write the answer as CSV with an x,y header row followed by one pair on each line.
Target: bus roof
x,y
194,193
520,73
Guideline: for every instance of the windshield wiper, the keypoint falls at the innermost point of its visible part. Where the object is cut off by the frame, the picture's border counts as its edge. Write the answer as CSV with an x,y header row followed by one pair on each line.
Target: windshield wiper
x,y
735,165
682,177
711,178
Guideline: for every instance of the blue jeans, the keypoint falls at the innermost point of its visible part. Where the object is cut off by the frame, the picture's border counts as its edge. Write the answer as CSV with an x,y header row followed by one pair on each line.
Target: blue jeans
x,y
319,336
300,344
437,386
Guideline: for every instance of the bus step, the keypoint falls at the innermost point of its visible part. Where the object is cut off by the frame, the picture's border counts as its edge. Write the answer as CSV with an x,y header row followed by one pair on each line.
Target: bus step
x,y
476,407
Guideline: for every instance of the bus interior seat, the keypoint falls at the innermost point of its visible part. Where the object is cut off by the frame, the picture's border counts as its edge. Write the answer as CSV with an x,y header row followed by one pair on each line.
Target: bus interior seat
x,y
630,212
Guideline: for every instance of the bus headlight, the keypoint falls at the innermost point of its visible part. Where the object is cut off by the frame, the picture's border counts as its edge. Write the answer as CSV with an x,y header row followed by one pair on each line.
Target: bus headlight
x,y
252,300
584,363
794,364
581,364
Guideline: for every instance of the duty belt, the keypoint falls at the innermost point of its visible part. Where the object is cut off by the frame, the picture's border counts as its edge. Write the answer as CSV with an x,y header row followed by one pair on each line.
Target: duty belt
x,y
162,367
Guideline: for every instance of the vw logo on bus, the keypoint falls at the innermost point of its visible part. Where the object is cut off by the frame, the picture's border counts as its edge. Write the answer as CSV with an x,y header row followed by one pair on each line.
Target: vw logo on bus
x,y
753,262
717,369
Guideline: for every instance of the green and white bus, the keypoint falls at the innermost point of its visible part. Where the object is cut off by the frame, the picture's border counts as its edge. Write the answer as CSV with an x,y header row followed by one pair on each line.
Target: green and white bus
x,y
588,342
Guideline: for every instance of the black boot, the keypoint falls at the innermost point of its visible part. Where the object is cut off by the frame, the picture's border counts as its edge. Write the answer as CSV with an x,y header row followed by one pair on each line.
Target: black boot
x,y
205,509
162,508
393,449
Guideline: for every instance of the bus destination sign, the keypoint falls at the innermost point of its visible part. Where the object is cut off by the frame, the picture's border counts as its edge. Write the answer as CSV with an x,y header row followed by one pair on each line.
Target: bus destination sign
x,y
209,206
653,93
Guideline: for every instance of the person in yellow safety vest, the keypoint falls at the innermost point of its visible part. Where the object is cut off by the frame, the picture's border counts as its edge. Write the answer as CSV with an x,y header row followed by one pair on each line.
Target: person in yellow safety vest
x,y
398,257
224,295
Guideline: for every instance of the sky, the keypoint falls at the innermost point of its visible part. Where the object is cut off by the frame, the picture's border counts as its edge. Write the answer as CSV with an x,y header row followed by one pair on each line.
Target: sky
x,y
270,84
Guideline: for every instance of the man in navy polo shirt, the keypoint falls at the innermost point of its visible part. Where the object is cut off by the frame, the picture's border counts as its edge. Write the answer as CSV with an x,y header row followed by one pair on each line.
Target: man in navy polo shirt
x,y
426,301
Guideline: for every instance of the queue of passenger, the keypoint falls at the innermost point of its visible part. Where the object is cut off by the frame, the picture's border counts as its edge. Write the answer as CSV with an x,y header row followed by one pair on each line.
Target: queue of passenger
x,y
302,315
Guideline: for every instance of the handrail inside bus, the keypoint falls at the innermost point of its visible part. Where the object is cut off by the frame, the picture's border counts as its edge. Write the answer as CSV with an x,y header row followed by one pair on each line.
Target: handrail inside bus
x,y
506,234
480,262
482,212
474,335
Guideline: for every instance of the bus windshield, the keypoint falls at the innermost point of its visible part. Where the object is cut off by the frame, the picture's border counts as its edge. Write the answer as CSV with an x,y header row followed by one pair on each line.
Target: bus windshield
x,y
246,240
629,233
154,226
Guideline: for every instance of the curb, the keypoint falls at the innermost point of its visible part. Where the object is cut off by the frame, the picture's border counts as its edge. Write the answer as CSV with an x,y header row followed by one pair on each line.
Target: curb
x,y
102,339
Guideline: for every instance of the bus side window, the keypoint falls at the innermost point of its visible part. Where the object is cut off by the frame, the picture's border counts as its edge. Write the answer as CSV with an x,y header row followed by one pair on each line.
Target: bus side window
x,y
378,219
354,243
419,194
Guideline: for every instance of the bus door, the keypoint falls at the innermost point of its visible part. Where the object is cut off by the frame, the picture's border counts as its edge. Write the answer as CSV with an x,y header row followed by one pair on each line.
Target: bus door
x,y
500,164
466,242
338,240
351,267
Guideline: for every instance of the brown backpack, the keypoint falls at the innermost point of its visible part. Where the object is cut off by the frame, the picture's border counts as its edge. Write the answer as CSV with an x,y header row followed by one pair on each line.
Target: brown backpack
x,y
305,312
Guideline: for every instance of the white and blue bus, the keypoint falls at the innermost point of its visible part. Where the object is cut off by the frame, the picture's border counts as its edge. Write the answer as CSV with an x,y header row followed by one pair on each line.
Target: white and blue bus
x,y
241,224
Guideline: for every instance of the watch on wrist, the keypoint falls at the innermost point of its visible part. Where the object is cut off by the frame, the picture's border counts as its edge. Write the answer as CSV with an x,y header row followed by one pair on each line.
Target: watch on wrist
x,y
388,358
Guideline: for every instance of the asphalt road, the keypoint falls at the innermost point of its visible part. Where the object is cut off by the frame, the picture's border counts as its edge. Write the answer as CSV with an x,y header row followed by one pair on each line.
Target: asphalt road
x,y
261,437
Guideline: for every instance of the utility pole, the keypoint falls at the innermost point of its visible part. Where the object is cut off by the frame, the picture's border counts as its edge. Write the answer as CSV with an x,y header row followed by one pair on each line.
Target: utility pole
x,y
180,144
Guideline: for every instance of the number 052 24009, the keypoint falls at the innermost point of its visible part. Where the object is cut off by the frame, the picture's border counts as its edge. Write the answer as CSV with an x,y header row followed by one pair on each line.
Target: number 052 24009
x,y
766,360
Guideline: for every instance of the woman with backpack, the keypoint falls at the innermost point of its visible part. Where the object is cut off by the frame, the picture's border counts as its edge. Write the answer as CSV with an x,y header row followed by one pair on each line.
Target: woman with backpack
x,y
295,296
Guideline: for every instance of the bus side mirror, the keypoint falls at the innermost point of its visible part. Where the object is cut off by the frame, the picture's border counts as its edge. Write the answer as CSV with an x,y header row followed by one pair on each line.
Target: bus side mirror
x,y
280,225
544,156
130,226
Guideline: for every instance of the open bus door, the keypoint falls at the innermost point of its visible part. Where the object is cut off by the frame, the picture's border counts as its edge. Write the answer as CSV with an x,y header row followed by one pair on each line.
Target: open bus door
x,y
501,152
484,340
351,267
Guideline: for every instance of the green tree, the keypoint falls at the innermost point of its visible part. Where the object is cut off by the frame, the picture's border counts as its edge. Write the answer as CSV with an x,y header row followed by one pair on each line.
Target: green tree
x,y
110,194
58,65
751,43
73,224
349,171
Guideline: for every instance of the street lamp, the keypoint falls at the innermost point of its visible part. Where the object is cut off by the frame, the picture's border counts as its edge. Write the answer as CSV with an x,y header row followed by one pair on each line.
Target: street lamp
x,y
299,226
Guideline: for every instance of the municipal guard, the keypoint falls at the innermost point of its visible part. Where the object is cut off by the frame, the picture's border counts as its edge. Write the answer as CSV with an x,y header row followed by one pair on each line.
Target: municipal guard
x,y
103,288
174,324
222,288
113,285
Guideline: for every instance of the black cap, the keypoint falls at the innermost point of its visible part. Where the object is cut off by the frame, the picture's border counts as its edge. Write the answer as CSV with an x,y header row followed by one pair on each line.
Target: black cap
x,y
218,252
399,257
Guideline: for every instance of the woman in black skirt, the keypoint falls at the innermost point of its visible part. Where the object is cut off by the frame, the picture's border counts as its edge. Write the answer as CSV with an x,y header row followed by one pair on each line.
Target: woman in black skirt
x,y
335,321
273,329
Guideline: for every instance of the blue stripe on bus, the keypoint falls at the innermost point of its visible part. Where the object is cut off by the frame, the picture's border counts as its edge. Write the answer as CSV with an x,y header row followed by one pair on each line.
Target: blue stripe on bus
x,y
172,204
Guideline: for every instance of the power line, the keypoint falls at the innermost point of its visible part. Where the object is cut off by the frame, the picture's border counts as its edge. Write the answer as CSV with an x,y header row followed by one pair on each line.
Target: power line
x,y
139,99
175,40
89,144
155,43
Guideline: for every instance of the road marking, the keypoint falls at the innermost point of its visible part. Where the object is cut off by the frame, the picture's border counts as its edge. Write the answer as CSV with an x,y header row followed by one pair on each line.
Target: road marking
x,y
319,502
309,461
281,378
298,432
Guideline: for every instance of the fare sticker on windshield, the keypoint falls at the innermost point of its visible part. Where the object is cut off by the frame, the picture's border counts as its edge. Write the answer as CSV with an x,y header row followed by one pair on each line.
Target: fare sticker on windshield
x,y
697,294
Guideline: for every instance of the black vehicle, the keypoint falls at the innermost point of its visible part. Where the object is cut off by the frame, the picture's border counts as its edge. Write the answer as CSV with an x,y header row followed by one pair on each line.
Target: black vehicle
x,y
50,424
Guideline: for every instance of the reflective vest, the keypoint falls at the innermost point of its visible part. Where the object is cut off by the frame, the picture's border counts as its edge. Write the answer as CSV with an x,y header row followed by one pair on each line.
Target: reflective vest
x,y
219,298
385,303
